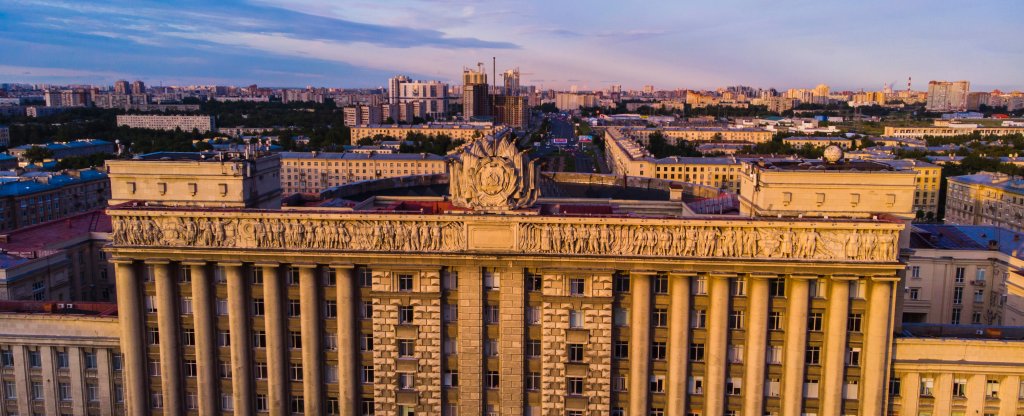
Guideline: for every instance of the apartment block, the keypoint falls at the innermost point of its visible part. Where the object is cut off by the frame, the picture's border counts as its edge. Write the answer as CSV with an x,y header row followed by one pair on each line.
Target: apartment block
x,y
202,124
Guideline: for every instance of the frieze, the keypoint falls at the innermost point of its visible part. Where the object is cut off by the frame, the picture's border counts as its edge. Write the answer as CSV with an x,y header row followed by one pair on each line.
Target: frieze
x,y
751,241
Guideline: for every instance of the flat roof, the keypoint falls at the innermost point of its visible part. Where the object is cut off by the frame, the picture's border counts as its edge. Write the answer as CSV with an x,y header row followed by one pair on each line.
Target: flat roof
x,y
361,156
966,237
189,156
59,308
40,236
819,165
1001,181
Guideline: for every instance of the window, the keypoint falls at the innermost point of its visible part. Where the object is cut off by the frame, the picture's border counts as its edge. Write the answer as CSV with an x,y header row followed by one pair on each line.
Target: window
x,y
64,391
574,385
735,354
405,314
156,400
777,287
295,371
894,387
366,311
261,403
734,386
491,279
660,317
696,385
620,349
365,277
6,357
736,320
774,321
450,379
260,370
366,342
367,408
533,348
661,284
450,279
10,392
915,272
405,282
256,275
491,347
955,320
814,321
62,359
813,355
738,286
492,314
491,379
811,389
331,341
699,319
979,296
853,322
153,336
959,387
696,352
658,350
991,389
295,340
913,293
222,307
184,274
979,276
621,283
576,286
853,357
619,382
959,278
406,348
259,339
150,304
774,353
294,308
191,370
927,386
858,288
958,295
575,352
406,381
366,375
575,319
330,309
975,317
298,405
186,305
225,369
154,368
533,380
816,288
657,384
773,388
699,285
292,277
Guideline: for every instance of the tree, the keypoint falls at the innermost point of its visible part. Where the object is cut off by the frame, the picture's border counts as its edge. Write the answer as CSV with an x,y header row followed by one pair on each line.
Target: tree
x,y
36,154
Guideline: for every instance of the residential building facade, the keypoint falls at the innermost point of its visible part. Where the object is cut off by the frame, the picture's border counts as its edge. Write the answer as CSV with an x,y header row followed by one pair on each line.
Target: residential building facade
x,y
202,124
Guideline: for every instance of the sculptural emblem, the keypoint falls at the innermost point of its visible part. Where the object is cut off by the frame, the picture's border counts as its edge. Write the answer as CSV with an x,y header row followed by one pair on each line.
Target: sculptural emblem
x,y
491,175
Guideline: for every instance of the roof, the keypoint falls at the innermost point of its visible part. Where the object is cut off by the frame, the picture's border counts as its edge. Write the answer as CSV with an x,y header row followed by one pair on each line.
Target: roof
x,y
698,160
187,156
966,237
48,182
59,308
819,165
817,138
994,180
361,156
67,145
44,235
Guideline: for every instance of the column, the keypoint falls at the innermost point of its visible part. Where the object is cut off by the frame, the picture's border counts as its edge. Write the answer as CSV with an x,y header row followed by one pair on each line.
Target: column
x,y
77,375
832,380
275,298
795,345
349,358
512,340
470,344
49,380
1008,395
976,394
204,318
241,350
21,382
756,343
167,324
678,342
717,344
910,387
639,342
876,346
312,340
129,307
105,381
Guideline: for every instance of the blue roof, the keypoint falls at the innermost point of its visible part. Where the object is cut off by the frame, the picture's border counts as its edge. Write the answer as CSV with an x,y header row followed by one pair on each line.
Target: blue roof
x,y
29,187
966,237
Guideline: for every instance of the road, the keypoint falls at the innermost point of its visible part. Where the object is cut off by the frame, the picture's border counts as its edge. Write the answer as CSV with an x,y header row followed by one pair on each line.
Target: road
x,y
562,128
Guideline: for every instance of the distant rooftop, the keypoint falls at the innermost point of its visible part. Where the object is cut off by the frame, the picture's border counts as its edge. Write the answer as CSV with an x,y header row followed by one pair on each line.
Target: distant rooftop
x,y
819,165
360,156
25,241
966,237
59,308
995,180
191,156
45,181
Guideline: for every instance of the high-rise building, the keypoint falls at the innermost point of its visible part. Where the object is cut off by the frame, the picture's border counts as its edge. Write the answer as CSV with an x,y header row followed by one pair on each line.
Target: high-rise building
x,y
476,97
122,87
359,115
511,80
429,97
394,86
947,95
511,110
138,87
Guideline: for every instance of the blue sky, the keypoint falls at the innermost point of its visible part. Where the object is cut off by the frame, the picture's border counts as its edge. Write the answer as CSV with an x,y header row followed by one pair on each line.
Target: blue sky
x,y
556,43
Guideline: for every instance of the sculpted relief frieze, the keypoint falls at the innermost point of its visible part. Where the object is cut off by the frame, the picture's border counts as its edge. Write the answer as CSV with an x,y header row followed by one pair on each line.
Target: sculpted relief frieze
x,y
709,241
389,235
281,233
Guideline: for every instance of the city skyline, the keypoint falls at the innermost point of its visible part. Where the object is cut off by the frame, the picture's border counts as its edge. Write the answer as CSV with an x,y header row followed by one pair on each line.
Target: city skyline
x,y
320,43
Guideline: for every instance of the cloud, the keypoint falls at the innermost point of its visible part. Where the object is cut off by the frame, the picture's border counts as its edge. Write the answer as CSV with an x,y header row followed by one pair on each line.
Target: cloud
x,y
45,72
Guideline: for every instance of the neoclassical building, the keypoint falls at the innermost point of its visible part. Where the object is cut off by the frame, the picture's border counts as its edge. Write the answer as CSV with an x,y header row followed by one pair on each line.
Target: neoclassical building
x,y
503,297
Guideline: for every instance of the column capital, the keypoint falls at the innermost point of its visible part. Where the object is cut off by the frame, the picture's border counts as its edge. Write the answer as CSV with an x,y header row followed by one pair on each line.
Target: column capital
x,y
762,276
192,263
157,262
304,265
844,277
229,263
682,274
721,275
267,264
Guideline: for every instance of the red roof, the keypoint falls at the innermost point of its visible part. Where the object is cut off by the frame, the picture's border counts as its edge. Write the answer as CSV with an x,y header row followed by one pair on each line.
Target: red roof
x,y
58,308
41,236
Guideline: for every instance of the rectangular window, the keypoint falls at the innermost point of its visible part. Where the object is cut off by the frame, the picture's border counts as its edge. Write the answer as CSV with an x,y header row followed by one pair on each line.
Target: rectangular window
x,y
913,293
696,385
533,380
366,375
927,386
294,308
777,287
774,353
660,317
405,282
700,285
853,357
366,342
735,354
991,389
621,283
405,314
620,349
955,320
814,321
736,320
696,352
406,348
257,307
979,296
186,305
406,381
960,387
959,278
533,348
450,379
260,370
774,321
575,352
574,385
813,355
575,319
734,386
958,295
738,286
915,272
657,384
365,276
295,370
491,380
491,279
658,350
576,286
661,284
619,382
853,322
699,319
450,279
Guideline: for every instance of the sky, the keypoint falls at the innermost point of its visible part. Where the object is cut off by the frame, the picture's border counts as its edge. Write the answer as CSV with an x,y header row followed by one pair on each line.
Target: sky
x,y
555,43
